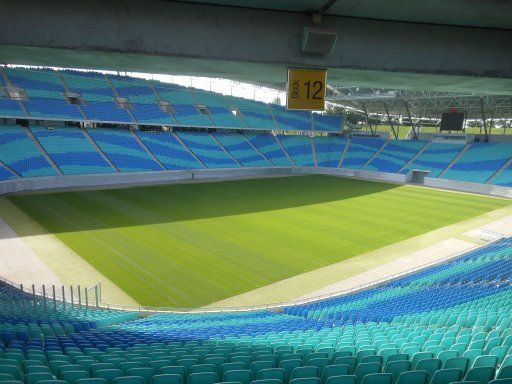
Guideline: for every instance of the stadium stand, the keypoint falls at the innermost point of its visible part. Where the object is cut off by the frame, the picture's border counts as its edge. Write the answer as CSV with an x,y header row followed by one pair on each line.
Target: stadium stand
x,y
52,108
269,146
446,323
435,158
151,114
169,150
143,100
5,174
256,115
324,122
11,108
224,117
19,153
238,146
40,84
291,120
122,148
70,150
299,148
45,92
104,111
136,90
189,115
123,101
479,162
210,99
360,151
208,150
395,155
93,87
189,107
329,150
505,177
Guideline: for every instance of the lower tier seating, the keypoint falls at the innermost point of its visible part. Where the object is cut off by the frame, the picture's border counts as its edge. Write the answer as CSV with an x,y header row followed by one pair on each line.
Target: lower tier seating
x,y
444,324
208,150
360,151
20,153
395,155
100,150
299,148
238,146
122,148
479,162
71,151
169,151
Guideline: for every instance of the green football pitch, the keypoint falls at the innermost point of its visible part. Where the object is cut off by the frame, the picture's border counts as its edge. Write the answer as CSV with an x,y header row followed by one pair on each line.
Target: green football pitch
x,y
189,245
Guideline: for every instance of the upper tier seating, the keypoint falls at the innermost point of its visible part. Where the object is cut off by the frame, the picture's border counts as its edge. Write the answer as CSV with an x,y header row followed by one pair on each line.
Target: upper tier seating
x,y
299,148
10,108
329,150
71,151
269,146
52,108
174,94
40,84
255,114
224,117
211,99
291,120
435,158
123,149
190,116
135,90
479,162
324,122
105,111
238,146
93,87
20,153
151,114
208,150
169,151
395,155
359,151
45,89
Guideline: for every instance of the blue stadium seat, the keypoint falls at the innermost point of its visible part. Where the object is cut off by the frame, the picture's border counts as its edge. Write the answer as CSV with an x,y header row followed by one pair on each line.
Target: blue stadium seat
x,y
208,150
479,162
360,151
71,151
238,146
19,153
269,146
435,158
299,148
123,150
395,155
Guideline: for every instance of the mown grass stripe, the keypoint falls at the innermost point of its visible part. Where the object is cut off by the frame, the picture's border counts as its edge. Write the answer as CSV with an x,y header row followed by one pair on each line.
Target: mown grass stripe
x,y
194,244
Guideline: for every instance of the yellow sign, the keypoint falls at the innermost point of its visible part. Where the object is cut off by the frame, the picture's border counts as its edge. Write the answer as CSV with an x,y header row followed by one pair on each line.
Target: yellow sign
x,y
306,89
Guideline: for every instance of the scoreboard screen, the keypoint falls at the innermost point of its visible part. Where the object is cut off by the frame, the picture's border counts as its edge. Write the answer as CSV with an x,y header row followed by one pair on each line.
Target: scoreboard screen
x,y
452,121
